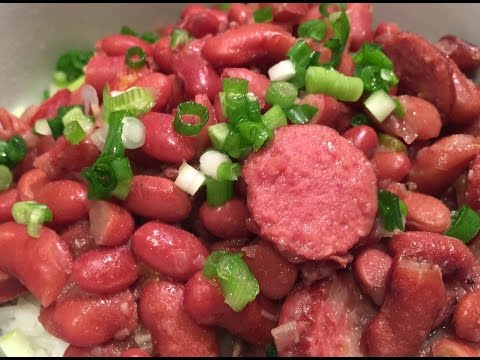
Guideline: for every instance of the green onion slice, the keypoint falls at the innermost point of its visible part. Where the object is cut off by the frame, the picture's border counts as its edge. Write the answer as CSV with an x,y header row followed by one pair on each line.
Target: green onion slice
x,y
319,80
271,350
253,108
16,149
149,37
217,134
135,57
341,30
6,178
391,143
254,133
465,224
399,109
390,211
264,14
235,85
32,214
236,146
218,191
274,118
179,37
281,93
228,171
127,30
323,8
190,108
136,100
301,114
73,132
315,29
360,119
238,283
224,6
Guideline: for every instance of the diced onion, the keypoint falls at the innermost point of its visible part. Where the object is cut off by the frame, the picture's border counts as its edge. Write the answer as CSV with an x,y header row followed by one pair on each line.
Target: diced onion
x,y
210,161
116,93
133,133
98,137
380,105
285,335
282,71
41,127
189,179
89,97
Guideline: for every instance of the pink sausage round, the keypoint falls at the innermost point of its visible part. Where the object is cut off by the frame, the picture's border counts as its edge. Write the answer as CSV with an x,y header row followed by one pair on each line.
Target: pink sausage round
x,y
169,250
118,44
225,221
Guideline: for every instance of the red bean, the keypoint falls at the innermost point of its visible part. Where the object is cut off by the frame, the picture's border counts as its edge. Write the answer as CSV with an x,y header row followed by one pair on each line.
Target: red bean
x,y
10,125
385,30
202,140
257,83
360,16
135,352
174,332
200,20
363,137
240,14
66,199
86,319
225,221
42,264
255,43
162,141
118,44
163,55
467,98
110,349
276,276
49,107
160,85
391,165
30,183
466,318
78,238
328,109
230,245
169,250
464,54
288,12
453,348
157,198
110,224
472,192
7,200
105,270
103,69
10,288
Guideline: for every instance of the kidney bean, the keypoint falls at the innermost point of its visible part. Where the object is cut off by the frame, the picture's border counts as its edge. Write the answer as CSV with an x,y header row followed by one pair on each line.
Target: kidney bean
x,y
312,271
66,199
371,268
257,83
169,250
363,137
65,157
421,121
78,238
466,107
453,348
414,297
110,224
125,80
288,12
385,30
361,18
30,184
466,318
391,165
160,85
86,319
177,92
240,14
204,302
163,55
225,221
328,109
231,245
7,200
49,107
162,141
200,20
174,332
158,198
202,140
105,270
118,44
437,166
113,348
42,264
464,54
472,188
254,43
103,69
10,125
10,288
275,275
135,352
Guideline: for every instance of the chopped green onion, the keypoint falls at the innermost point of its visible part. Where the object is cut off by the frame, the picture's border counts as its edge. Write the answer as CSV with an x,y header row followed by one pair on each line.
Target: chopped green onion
x,y
254,133
149,37
217,134
399,109
73,132
301,114
76,84
263,14
6,178
190,108
32,214
224,6
274,118
113,143
319,80
45,94
16,149
465,224
281,93
380,105
235,85
210,161
228,171
391,143
135,57
236,107
133,133
56,127
341,30
236,146
14,343
302,56
271,350
403,209
389,209
179,37
315,29
136,100
323,8
59,78
71,63
124,174
238,283
218,191
101,179
360,119
127,30
253,108
76,115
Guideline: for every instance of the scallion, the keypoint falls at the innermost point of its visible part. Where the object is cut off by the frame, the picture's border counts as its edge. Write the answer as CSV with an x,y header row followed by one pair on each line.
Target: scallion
x,y
314,29
135,57
254,133
218,191
136,100
319,80
73,132
323,8
380,105
465,224
271,350
76,115
301,114
235,85
236,146
360,119
281,93
302,56
16,149
6,178
210,160
264,14
217,134
389,210
236,107
391,143
341,30
32,214
133,133
179,37
282,71
274,118
253,108
190,108
228,171
399,109
149,37
189,179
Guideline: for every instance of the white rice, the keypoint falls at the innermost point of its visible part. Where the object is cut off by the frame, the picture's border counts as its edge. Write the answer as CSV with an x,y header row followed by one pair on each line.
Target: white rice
x,y
23,317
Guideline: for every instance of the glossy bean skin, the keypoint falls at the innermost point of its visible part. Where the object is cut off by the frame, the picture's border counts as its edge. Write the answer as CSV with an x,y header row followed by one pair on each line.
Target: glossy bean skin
x,y
453,348
42,264
202,140
169,250
103,69
49,107
163,55
78,238
257,83
10,288
330,112
464,54
255,43
160,85
162,142
110,224
276,276
200,20
135,352
10,125
391,165
174,332
66,199
157,198
472,191
361,18
113,348
363,137
384,30
225,221
466,317
83,319
105,270
7,200
288,12
118,44
30,184
240,14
